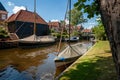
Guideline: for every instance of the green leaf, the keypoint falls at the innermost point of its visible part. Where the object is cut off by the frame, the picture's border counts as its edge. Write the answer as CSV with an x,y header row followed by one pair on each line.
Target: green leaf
x,y
76,4
91,9
83,0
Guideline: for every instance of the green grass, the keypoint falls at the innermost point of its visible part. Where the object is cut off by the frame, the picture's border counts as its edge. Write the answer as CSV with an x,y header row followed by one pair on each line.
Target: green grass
x,y
97,64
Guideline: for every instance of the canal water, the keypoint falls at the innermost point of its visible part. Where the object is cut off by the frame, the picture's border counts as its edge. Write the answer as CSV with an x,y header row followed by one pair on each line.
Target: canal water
x,y
29,64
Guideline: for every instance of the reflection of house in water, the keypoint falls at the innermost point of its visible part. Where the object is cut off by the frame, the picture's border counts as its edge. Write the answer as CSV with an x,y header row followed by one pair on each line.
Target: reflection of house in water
x,y
3,14
22,23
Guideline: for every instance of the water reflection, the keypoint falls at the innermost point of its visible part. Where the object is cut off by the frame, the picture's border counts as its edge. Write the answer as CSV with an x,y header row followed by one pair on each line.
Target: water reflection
x,y
10,73
22,59
29,64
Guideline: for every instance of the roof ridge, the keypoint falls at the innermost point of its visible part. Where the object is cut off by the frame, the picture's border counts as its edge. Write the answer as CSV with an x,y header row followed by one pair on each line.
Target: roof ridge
x,y
41,18
27,16
17,14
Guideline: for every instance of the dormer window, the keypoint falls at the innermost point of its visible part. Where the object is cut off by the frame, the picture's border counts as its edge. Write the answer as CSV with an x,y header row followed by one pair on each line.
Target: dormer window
x,y
3,16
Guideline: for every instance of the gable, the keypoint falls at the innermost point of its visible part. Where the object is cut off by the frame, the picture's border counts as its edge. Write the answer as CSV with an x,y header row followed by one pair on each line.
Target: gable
x,y
2,7
26,16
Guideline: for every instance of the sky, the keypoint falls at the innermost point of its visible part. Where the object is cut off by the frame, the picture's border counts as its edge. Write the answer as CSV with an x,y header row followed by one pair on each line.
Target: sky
x,y
49,10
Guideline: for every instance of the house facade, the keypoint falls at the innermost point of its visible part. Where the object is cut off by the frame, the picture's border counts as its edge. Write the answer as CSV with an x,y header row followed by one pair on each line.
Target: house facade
x,y
86,34
3,14
79,28
56,26
22,23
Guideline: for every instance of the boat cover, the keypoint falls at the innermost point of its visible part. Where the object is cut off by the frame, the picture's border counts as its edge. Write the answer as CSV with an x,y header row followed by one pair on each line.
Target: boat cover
x,y
72,51
39,38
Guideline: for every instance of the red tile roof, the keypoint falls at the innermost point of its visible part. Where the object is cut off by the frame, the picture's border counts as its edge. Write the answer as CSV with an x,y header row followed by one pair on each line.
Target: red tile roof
x,y
71,26
54,24
86,30
26,16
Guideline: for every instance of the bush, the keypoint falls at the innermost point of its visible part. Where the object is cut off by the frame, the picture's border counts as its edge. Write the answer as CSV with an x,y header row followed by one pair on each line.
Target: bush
x,y
3,33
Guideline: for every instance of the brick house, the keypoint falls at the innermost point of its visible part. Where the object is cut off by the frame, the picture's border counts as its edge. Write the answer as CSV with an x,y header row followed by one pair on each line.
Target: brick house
x,y
86,33
56,26
3,14
79,28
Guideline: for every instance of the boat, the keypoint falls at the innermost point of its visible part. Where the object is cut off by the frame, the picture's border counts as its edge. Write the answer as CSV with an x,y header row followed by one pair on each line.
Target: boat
x,y
73,39
11,42
8,44
73,51
70,54
35,41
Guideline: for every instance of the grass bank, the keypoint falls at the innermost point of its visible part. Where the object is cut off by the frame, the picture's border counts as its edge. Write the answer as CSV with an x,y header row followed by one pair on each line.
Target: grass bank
x,y
97,64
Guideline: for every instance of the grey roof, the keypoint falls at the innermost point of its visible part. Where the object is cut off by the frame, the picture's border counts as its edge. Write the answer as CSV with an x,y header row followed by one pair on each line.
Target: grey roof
x,y
2,7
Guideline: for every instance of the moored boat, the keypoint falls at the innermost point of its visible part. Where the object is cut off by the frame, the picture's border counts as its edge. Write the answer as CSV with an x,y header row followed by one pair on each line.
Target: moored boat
x,y
10,42
70,54
36,41
73,39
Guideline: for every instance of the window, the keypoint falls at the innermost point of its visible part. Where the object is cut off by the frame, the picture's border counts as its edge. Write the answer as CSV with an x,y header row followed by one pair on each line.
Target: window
x,y
3,16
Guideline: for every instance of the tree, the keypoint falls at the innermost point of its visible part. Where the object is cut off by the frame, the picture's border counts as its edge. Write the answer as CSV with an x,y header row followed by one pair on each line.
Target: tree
x,y
110,16
77,17
99,30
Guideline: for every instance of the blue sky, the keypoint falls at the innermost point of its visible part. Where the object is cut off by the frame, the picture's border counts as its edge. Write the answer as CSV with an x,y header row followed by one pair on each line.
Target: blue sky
x,y
47,9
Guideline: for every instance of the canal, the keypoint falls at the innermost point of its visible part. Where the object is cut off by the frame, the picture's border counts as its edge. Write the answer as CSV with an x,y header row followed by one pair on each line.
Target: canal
x,y
29,64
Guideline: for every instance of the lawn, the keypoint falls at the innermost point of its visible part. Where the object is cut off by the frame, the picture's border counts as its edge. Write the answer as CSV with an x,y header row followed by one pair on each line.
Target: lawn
x,y
97,64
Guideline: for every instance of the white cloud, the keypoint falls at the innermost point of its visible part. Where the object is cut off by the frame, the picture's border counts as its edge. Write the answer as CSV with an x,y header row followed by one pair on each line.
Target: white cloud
x,y
10,4
92,23
54,20
91,26
17,8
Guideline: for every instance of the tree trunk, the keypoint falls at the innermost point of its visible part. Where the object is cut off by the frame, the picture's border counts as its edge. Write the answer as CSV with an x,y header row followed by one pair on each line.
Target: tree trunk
x,y
110,14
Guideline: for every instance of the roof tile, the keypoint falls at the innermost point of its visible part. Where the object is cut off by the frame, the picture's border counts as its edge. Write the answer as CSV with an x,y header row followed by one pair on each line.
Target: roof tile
x,y
54,24
26,16
86,30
